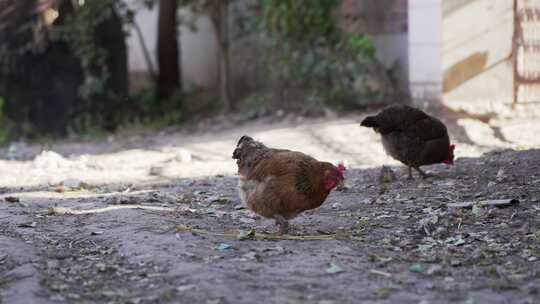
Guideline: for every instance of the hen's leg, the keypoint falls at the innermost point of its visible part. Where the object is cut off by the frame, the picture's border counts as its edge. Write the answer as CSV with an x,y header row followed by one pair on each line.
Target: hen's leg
x,y
422,173
410,174
282,223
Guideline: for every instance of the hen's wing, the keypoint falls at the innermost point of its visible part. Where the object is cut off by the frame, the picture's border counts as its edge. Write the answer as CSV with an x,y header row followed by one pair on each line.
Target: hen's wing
x,y
398,118
411,136
428,129
284,164
286,185
424,142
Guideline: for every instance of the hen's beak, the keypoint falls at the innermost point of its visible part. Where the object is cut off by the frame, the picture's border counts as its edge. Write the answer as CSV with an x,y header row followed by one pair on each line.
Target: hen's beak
x,y
341,185
236,154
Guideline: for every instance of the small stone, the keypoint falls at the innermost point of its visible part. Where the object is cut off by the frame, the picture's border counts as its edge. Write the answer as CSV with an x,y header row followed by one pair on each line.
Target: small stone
x,y
184,156
185,288
223,247
416,268
333,268
101,267
11,199
72,183
501,175
245,234
253,256
387,175
455,263
156,171
52,264
434,270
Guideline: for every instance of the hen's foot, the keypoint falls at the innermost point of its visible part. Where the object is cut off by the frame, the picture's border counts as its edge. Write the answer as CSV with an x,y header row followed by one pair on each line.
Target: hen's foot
x,y
423,174
282,223
410,174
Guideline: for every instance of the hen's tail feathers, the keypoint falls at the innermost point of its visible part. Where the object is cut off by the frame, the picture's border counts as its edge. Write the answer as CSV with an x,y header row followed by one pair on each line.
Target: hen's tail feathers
x,y
370,122
238,151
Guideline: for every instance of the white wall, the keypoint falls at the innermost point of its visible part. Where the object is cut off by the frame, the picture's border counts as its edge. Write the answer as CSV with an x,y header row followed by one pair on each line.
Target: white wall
x,y
425,50
198,48
147,21
198,57
392,49
477,44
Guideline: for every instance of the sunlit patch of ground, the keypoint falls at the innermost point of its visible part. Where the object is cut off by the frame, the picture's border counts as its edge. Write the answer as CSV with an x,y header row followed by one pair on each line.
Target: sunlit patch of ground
x,y
163,157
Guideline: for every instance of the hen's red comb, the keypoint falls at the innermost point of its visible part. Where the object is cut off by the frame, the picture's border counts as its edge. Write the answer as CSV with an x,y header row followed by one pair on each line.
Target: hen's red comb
x,y
341,167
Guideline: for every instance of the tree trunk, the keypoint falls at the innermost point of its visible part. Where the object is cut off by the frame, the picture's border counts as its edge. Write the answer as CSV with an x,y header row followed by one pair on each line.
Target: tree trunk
x,y
169,75
109,35
220,20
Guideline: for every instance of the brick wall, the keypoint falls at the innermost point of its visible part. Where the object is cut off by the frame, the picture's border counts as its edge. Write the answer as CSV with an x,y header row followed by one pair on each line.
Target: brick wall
x,y
374,17
386,22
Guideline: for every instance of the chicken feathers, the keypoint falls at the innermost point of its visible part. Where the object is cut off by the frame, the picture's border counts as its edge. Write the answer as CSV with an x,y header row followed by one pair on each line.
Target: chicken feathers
x,y
412,137
279,184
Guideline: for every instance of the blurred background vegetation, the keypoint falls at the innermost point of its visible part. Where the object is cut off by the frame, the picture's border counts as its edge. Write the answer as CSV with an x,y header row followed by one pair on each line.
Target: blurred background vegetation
x,y
64,64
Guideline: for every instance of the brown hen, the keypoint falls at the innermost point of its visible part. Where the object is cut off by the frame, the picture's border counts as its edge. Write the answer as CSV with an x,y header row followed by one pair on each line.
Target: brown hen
x,y
280,184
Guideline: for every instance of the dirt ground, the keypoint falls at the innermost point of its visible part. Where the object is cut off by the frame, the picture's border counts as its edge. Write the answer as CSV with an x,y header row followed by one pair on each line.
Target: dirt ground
x,y
155,218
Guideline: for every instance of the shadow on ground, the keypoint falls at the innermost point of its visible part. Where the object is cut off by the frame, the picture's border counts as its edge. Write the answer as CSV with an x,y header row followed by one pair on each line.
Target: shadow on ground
x,y
382,243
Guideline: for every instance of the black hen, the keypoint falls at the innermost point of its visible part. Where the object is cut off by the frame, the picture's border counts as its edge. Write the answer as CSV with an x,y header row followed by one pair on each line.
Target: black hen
x,y
412,137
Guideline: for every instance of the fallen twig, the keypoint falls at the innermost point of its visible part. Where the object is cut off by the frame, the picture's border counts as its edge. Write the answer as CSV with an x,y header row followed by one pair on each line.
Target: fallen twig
x,y
382,273
72,211
486,203
263,236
